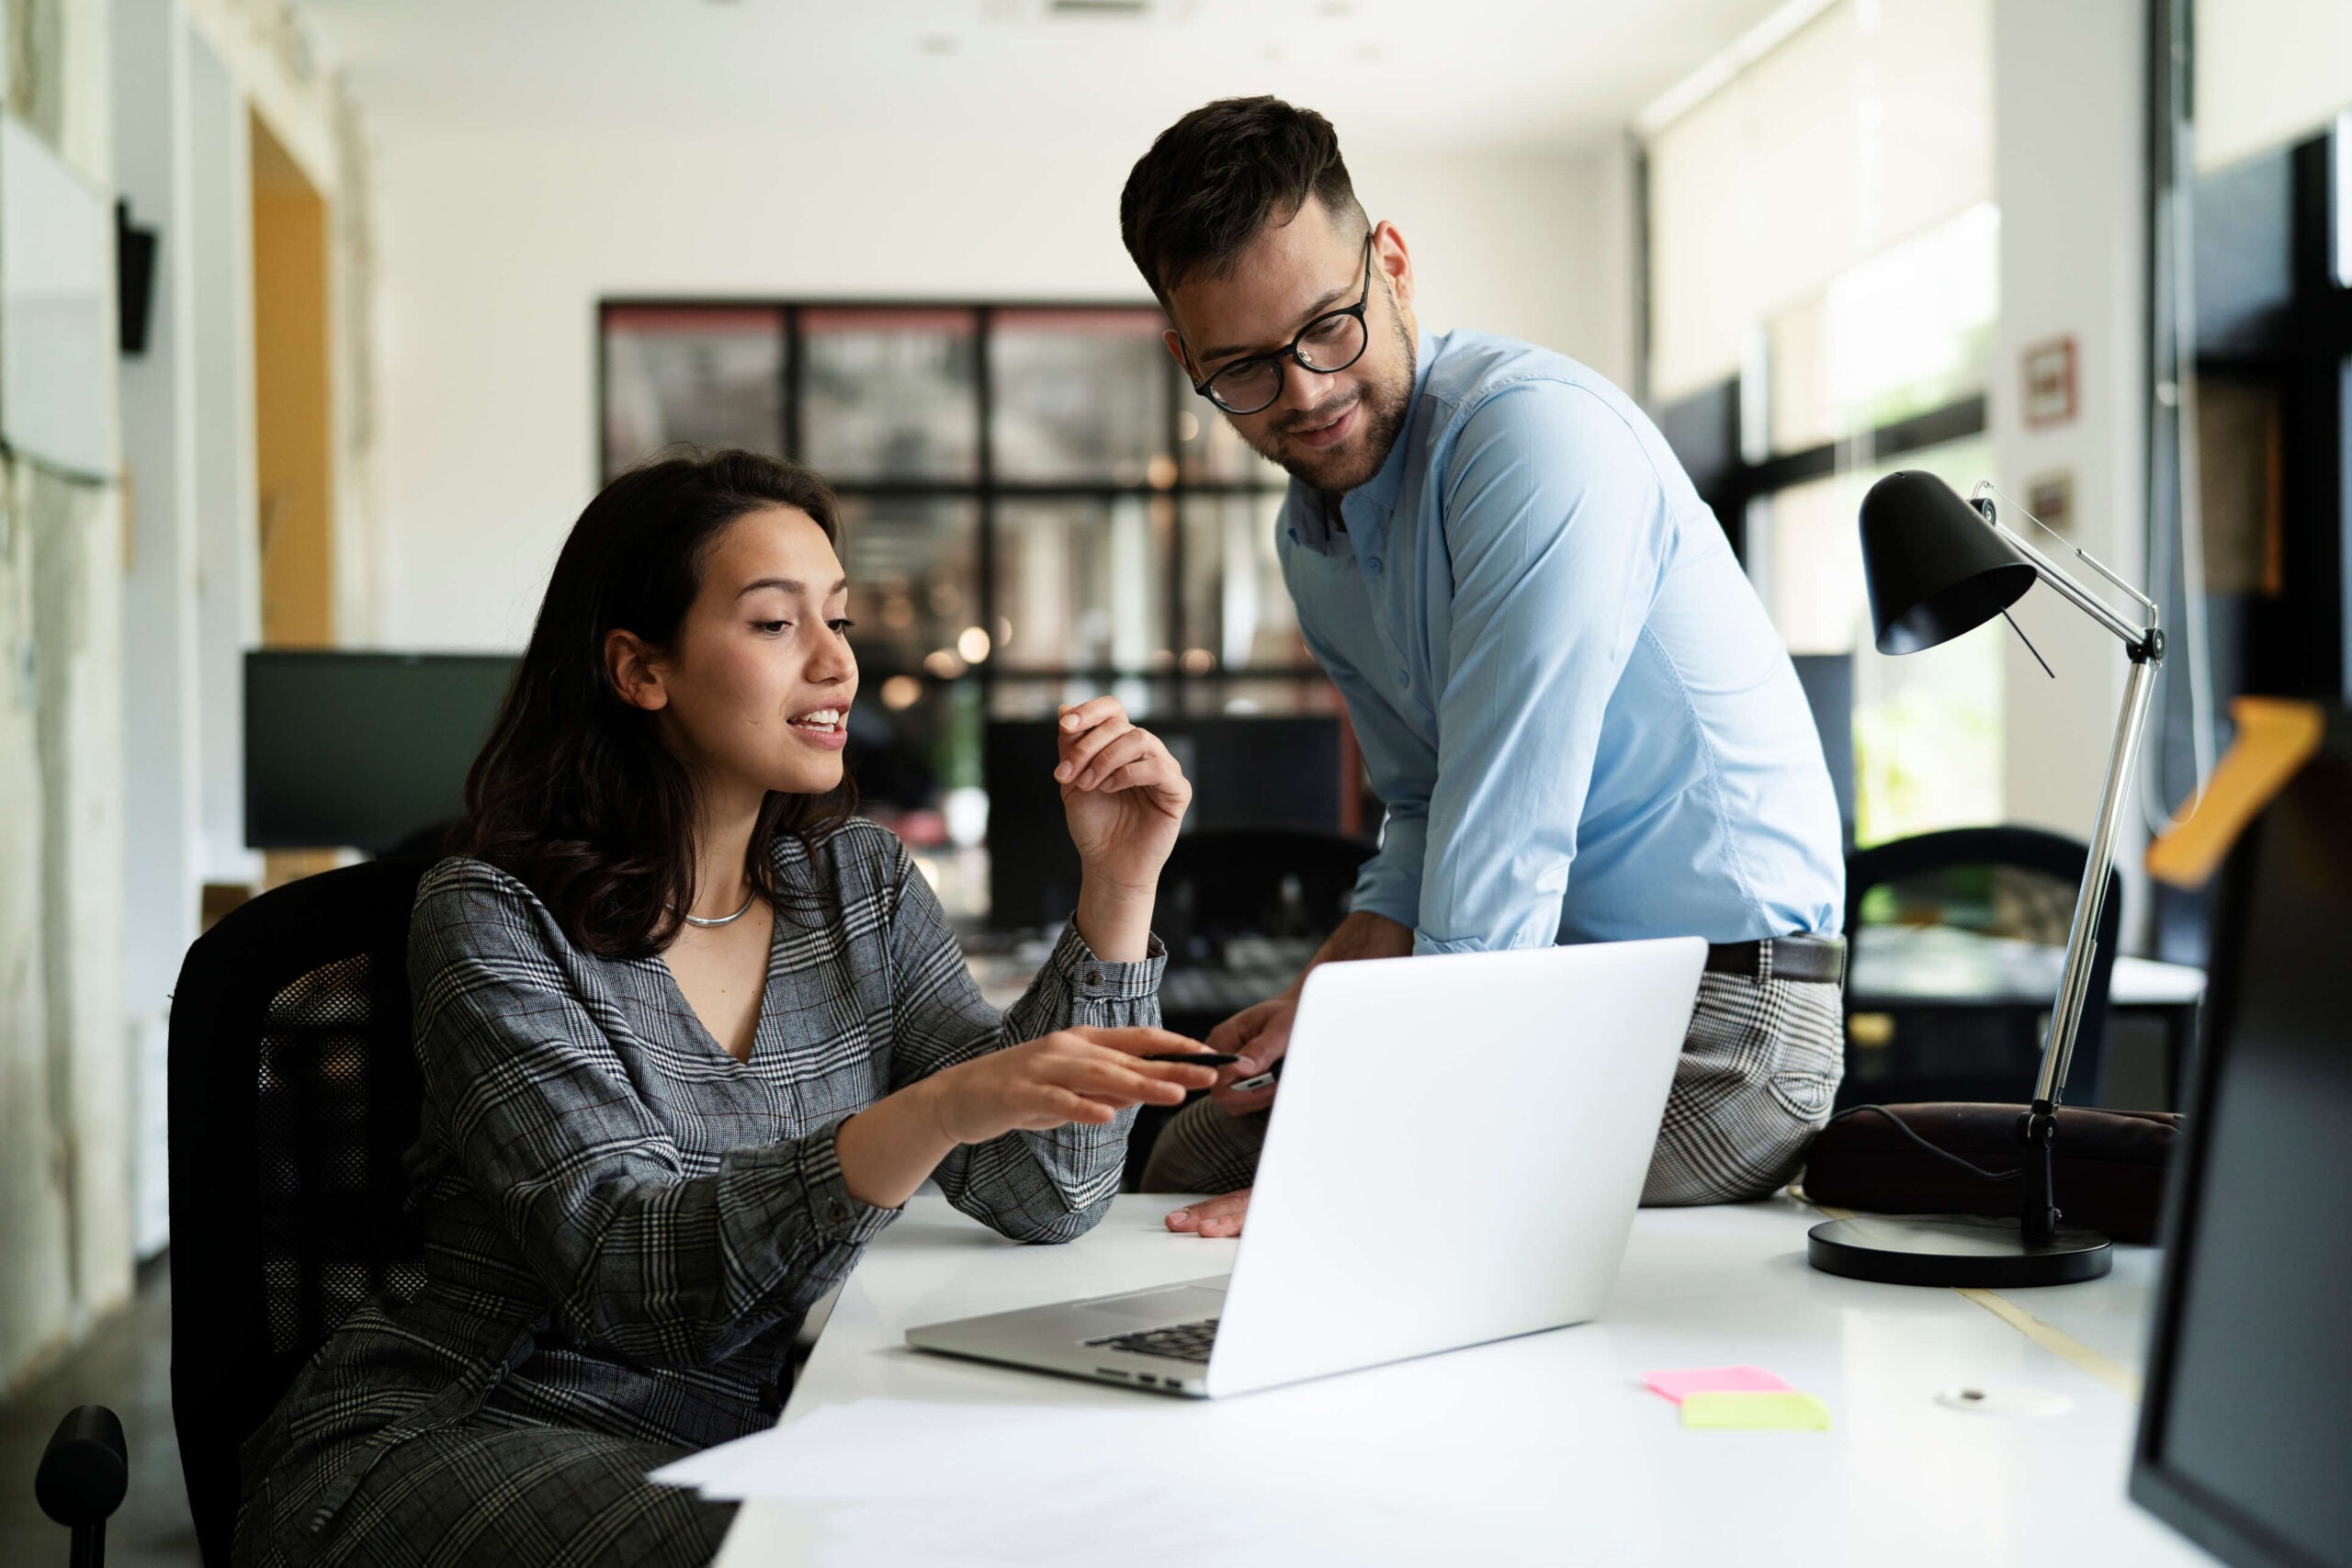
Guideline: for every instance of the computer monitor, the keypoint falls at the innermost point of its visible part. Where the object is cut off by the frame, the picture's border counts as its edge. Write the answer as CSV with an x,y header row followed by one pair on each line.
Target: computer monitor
x,y
362,750
2245,1431
1247,772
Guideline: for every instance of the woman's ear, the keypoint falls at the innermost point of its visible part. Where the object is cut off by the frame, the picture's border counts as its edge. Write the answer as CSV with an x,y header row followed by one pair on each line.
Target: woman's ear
x,y
634,673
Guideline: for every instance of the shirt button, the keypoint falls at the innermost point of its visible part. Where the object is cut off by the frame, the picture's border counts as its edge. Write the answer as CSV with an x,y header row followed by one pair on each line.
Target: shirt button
x,y
1404,677
838,1211
1372,565
1094,976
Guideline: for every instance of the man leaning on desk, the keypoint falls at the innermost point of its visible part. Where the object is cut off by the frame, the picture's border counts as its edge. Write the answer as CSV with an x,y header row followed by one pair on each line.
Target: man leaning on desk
x,y
1581,723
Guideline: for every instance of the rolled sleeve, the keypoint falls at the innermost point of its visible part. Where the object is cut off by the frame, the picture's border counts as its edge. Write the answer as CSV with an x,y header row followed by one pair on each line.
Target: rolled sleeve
x,y
1389,884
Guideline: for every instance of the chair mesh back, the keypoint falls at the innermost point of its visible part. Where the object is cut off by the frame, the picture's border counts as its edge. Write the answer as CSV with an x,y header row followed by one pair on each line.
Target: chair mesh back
x,y
331,1235
295,1095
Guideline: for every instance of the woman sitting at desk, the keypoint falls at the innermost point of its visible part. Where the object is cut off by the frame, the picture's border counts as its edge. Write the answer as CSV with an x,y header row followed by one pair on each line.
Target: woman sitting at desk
x,y
690,1034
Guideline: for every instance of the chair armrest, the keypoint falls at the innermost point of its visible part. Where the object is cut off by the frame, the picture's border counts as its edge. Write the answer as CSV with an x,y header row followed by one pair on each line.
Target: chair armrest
x,y
86,1470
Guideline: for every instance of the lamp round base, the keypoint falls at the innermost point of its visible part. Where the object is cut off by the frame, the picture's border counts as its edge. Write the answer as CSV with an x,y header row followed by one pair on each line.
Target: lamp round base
x,y
1953,1249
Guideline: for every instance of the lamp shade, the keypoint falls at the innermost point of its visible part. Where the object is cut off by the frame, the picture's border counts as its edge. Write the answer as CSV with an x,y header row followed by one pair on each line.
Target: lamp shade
x,y
1937,568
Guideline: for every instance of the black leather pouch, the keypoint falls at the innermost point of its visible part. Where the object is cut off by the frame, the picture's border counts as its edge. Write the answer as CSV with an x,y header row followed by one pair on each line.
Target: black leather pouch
x,y
2108,1166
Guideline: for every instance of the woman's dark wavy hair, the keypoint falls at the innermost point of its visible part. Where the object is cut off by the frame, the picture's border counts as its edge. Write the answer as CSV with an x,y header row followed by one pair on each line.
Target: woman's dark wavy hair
x,y
574,794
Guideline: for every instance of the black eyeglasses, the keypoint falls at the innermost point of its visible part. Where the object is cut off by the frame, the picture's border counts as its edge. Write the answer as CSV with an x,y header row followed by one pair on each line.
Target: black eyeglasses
x,y
1329,343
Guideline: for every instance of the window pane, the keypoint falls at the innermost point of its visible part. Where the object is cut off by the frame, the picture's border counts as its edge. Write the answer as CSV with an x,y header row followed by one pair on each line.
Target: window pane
x,y
1212,452
913,582
890,394
1237,611
1908,331
712,376
1080,395
1083,584
1928,750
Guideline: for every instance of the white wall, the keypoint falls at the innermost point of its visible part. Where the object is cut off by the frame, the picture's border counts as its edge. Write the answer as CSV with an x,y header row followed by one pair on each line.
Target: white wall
x,y
64,1155
493,251
162,820
2069,114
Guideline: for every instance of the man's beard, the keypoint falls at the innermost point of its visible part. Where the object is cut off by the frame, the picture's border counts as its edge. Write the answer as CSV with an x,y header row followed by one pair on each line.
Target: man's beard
x,y
1384,408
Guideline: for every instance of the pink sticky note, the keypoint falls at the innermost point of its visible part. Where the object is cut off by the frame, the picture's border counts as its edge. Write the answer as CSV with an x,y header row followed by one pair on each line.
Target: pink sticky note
x,y
1714,1379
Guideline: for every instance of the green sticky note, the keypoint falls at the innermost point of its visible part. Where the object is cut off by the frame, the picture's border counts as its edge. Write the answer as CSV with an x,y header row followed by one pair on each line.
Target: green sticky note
x,y
1756,1412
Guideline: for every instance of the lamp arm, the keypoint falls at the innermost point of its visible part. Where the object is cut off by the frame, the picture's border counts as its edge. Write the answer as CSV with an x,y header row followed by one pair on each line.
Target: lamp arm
x,y
2074,592
2039,1215
2073,985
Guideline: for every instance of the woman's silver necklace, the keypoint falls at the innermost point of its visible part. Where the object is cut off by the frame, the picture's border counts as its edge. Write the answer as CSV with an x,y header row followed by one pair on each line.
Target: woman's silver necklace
x,y
724,919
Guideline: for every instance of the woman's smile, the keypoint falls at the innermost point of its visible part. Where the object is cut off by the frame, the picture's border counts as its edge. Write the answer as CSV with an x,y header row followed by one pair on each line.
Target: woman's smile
x,y
827,726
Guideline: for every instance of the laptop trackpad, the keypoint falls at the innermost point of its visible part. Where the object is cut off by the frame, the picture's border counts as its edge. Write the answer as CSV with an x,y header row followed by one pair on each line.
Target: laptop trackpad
x,y
1177,1303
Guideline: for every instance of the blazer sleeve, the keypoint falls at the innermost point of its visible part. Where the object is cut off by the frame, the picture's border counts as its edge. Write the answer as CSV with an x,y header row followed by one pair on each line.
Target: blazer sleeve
x,y
1045,1186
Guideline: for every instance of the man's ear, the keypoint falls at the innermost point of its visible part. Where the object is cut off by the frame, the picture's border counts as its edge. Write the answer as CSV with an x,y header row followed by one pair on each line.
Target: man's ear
x,y
1390,256
635,671
1175,343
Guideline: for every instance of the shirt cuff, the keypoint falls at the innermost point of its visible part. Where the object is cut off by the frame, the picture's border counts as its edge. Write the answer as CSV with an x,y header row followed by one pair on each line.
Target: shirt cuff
x,y
1099,980
1425,945
1389,883
834,1214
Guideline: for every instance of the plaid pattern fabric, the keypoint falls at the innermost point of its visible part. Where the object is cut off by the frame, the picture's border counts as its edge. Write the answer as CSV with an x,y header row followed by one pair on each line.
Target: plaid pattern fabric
x,y
623,1224
478,1495
1758,1069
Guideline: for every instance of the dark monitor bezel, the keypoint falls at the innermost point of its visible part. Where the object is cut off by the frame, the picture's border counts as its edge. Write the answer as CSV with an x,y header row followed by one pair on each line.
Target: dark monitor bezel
x,y
2204,1517
264,832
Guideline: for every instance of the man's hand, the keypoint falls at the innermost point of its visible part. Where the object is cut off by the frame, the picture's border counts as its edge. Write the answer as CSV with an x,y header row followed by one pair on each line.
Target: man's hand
x,y
1219,1216
1259,1035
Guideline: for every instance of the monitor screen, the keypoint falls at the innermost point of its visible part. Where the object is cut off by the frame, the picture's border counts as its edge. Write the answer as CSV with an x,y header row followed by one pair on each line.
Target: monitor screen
x,y
362,750
1247,772
2245,1440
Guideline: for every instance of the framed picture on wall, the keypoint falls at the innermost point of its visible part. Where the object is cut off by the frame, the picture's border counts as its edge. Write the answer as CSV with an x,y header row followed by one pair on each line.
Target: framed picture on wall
x,y
2049,381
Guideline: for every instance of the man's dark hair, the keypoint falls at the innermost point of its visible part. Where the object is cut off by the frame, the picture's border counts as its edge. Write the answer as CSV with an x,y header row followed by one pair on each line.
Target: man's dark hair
x,y
1218,175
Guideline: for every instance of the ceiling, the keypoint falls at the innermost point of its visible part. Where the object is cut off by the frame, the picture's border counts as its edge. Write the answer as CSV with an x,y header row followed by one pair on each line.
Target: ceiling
x,y
1438,73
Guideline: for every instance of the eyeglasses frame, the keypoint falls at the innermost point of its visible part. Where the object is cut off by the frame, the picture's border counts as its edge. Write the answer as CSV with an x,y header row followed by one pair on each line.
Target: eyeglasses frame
x,y
1290,352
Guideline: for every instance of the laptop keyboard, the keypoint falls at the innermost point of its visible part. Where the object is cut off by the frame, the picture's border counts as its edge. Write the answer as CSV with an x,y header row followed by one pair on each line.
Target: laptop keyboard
x,y
1183,1342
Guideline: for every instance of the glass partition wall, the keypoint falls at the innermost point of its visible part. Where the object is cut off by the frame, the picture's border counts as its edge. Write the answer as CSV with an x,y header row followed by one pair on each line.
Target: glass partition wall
x,y
1036,510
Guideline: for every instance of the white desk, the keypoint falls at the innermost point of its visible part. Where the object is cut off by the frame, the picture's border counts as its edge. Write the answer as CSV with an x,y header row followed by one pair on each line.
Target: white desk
x,y
1542,1449
1898,964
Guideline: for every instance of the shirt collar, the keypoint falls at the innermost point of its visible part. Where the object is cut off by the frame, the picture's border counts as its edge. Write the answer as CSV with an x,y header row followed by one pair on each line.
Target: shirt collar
x,y
1380,490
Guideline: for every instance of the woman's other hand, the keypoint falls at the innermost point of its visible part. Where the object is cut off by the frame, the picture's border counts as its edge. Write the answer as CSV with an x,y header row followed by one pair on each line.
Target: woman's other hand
x,y
1124,794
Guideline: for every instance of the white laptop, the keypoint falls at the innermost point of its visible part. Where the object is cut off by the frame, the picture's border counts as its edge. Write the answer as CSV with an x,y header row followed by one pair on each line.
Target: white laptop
x,y
1456,1157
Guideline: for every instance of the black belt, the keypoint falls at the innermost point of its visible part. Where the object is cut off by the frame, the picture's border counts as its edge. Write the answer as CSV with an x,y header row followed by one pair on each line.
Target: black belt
x,y
1818,959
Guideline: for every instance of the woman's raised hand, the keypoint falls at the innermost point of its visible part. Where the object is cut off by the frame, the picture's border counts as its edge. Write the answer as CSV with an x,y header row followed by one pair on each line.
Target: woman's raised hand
x,y
1124,794
1072,1075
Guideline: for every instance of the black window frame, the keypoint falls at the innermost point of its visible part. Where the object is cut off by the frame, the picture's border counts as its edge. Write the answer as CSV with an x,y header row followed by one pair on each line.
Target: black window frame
x,y
1173,688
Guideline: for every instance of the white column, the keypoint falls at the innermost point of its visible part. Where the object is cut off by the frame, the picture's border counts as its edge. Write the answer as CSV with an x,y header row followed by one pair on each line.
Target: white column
x,y
2071,176
220,344
162,801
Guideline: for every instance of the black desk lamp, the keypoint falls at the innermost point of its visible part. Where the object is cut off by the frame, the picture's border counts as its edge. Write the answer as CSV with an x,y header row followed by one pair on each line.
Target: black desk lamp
x,y
1937,567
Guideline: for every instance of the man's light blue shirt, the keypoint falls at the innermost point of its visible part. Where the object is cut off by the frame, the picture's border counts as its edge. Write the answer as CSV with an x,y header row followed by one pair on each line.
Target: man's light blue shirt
x,y
1570,700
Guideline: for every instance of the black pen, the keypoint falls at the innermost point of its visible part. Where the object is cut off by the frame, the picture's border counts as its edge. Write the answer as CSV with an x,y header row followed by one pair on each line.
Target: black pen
x,y
1196,1058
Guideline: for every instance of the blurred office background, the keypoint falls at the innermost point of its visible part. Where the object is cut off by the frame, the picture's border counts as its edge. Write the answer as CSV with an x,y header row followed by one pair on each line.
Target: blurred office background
x,y
319,321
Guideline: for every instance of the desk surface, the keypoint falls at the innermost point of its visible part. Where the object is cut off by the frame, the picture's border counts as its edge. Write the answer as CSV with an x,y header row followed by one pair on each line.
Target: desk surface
x,y
1539,1450
1900,965
1892,966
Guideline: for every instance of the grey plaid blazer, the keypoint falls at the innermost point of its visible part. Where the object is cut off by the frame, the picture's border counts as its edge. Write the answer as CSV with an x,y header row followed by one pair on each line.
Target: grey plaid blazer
x,y
624,1225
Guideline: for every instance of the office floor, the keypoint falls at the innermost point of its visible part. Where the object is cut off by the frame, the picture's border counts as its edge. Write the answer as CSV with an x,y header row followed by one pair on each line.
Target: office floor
x,y
125,1364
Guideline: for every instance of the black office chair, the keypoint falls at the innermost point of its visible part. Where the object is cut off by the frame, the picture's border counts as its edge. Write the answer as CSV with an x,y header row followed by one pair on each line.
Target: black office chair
x,y
2008,882
1240,911
294,1094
